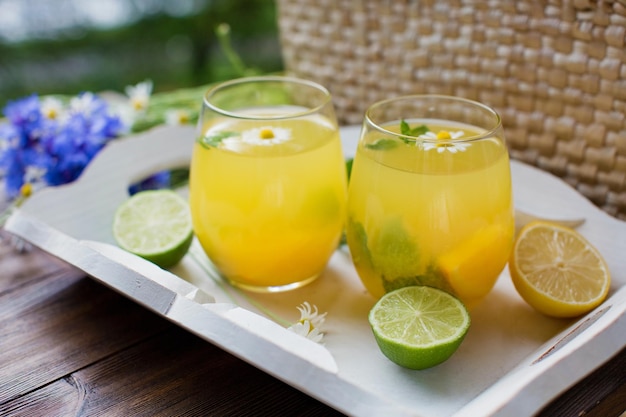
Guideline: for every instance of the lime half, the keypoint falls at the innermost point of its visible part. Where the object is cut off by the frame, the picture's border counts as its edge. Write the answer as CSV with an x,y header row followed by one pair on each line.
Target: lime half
x,y
418,327
155,225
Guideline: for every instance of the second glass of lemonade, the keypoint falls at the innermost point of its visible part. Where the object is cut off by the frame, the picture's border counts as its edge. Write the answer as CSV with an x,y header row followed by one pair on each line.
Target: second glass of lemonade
x,y
268,181
430,199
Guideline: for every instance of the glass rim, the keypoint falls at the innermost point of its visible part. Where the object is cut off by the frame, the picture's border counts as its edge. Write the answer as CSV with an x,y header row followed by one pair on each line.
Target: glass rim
x,y
266,79
489,133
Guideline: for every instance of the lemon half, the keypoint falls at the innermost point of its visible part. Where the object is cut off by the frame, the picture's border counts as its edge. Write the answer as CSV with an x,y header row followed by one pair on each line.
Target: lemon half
x,y
557,271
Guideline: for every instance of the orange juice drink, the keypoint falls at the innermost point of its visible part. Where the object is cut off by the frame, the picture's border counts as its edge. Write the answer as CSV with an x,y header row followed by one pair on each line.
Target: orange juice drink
x,y
268,197
435,209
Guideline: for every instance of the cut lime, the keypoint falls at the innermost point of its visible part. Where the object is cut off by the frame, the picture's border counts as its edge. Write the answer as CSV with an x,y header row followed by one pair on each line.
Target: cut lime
x,y
419,327
155,225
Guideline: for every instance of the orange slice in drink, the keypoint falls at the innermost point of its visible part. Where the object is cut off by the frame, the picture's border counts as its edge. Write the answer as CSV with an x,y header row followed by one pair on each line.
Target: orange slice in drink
x,y
473,267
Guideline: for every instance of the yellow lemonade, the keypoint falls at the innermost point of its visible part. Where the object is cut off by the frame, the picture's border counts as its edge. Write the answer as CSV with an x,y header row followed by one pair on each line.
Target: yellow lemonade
x,y
437,214
268,198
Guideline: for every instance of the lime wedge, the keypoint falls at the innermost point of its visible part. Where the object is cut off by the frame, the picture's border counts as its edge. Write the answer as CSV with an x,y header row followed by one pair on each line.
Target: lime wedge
x,y
419,327
155,225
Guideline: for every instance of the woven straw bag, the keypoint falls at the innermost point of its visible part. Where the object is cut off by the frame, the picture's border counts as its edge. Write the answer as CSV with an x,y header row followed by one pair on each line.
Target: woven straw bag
x,y
555,71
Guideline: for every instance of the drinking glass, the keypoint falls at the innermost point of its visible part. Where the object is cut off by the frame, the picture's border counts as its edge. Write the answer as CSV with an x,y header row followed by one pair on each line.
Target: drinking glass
x,y
430,199
268,181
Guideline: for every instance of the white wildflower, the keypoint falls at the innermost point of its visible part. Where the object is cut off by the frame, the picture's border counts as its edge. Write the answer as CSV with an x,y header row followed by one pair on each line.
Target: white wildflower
x,y
85,103
444,146
265,135
177,117
139,95
310,323
52,108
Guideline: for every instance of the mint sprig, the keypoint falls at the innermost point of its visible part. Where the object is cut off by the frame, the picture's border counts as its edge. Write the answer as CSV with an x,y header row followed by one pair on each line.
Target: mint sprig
x,y
214,139
405,130
382,144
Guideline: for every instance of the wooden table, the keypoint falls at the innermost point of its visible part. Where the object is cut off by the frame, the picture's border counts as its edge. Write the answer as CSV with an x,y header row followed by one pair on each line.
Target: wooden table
x,y
72,347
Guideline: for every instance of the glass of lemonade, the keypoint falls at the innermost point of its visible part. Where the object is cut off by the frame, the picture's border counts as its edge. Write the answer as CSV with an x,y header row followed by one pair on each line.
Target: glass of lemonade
x,y
268,181
430,199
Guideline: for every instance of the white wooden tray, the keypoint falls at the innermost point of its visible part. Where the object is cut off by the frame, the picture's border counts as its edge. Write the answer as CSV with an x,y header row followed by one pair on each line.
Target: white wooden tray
x,y
512,362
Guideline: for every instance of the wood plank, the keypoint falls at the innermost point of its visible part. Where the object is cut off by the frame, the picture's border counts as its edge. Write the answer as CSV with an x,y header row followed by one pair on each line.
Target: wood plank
x,y
601,394
173,373
56,399
61,323
18,269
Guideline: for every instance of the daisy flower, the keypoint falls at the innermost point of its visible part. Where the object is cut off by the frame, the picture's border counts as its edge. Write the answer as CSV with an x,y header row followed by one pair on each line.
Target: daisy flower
x,y
52,108
177,117
266,135
262,136
139,95
444,135
309,323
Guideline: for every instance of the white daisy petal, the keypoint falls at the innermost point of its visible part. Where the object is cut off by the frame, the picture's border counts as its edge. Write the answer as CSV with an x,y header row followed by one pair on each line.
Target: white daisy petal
x,y
177,117
309,323
428,135
254,136
52,108
300,328
139,95
444,146
315,335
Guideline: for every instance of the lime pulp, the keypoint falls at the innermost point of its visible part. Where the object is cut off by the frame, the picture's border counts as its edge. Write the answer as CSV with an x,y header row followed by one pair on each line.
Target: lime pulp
x,y
155,225
418,327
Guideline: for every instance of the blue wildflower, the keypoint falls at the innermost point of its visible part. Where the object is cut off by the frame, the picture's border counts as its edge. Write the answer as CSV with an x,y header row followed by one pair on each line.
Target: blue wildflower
x,y
157,181
53,150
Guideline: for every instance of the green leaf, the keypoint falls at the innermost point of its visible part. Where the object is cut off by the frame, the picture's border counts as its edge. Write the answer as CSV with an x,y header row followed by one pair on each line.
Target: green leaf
x,y
349,162
213,140
431,278
360,252
382,144
419,130
397,283
394,250
405,129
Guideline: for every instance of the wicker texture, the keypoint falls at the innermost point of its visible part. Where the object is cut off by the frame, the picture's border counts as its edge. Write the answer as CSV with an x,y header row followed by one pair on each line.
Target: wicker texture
x,y
555,71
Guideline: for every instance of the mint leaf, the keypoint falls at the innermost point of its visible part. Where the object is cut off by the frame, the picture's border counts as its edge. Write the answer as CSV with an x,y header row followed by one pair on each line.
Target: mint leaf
x,y
381,144
349,163
407,130
394,251
431,278
360,252
419,130
214,139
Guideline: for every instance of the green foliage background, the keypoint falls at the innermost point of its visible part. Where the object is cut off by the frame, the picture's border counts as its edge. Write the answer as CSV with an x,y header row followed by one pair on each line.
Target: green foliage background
x,y
174,52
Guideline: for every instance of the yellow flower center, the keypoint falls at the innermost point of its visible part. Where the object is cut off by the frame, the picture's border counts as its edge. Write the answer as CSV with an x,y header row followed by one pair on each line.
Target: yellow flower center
x,y
266,133
443,135
26,190
183,118
138,104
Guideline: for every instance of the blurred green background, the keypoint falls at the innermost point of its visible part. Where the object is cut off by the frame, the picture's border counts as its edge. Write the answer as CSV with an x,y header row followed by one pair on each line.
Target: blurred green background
x,y
69,46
